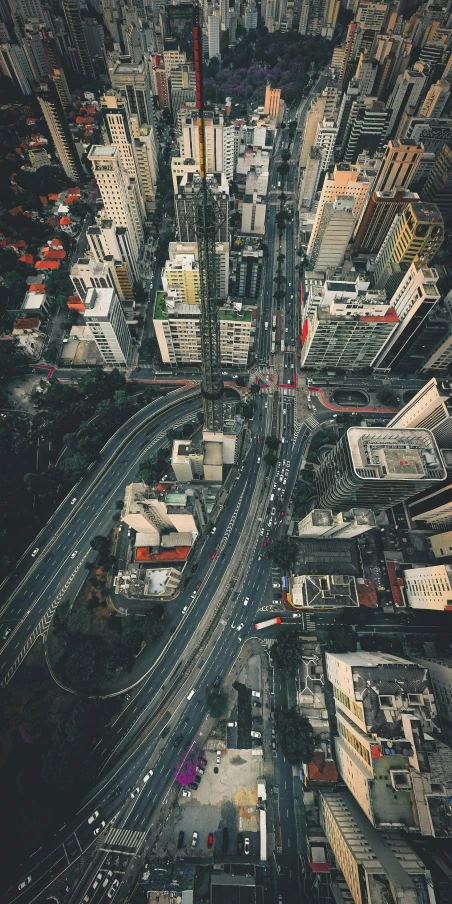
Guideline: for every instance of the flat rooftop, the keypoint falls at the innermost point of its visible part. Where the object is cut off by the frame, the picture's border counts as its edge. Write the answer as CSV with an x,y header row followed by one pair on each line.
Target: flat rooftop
x,y
395,454
100,150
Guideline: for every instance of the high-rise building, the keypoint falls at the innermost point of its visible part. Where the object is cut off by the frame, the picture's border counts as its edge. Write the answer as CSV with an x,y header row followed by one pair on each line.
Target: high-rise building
x,y
190,249
325,139
253,210
119,133
345,115
110,243
432,508
429,587
435,99
438,187
368,130
315,115
117,192
310,180
399,165
220,142
63,141
431,408
440,671
407,92
272,101
347,333
346,180
178,333
334,232
104,316
379,466
247,265
185,201
213,33
14,65
377,867
416,235
133,81
74,21
181,279
378,217
33,47
343,525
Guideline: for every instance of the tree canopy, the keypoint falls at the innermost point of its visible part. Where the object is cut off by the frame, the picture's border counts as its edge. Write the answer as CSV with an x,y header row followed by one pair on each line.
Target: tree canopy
x,y
295,735
287,652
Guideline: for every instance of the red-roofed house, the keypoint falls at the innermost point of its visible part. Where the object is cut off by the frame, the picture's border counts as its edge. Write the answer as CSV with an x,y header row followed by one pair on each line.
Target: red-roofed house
x,y
27,259
47,265
38,287
56,243
74,191
28,323
367,594
65,221
53,197
55,255
397,584
79,120
320,772
75,303
43,199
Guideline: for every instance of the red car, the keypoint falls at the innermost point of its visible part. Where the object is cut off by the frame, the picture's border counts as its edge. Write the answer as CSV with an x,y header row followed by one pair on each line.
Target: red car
x,y
202,761
282,514
198,585
258,439
265,542
210,840
213,554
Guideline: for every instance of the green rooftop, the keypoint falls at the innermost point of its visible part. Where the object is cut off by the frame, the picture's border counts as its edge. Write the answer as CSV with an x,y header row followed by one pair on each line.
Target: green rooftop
x,y
159,310
245,316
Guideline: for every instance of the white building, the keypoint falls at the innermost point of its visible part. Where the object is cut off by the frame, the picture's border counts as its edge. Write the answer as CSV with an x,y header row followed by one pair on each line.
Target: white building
x,y
416,290
431,408
105,318
429,587
325,140
118,193
178,332
343,525
253,212
118,133
334,233
221,261
213,33
345,181
220,142
108,242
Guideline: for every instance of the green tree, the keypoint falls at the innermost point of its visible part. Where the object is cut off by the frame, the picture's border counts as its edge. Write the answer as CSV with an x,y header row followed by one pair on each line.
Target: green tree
x,y
74,466
342,639
287,652
217,702
79,620
52,352
99,543
285,155
149,470
283,169
295,735
270,459
272,442
284,554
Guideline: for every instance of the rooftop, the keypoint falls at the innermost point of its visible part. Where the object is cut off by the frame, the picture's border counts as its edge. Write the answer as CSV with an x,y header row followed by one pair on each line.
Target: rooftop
x,y
395,454
321,591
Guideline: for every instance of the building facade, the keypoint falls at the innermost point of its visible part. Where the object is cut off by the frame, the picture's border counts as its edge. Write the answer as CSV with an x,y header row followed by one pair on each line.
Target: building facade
x,y
104,316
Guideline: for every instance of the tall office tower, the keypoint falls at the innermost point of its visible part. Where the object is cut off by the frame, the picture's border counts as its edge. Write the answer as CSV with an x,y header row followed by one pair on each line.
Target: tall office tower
x,y
104,316
346,180
368,130
348,332
247,265
372,15
431,408
432,508
438,187
146,157
378,217
117,192
381,698
415,235
315,115
119,133
63,141
184,203
376,866
14,65
365,75
111,243
334,232
349,98
56,68
400,163
379,466
29,9
161,83
310,181
253,213
178,333
343,525
325,140
435,99
213,34
220,142
33,47
272,101
407,92
134,83
250,16
88,274
342,56
413,301
74,21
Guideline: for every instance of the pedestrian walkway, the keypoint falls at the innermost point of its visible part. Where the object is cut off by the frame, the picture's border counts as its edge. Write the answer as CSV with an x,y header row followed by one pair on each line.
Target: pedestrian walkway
x,y
312,421
123,841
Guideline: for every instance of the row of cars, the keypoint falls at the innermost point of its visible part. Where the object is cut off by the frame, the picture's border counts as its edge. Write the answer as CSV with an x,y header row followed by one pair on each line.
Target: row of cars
x,y
243,843
104,880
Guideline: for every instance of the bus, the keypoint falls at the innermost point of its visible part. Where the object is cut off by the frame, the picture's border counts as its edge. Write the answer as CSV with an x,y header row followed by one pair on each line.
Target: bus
x,y
282,346
273,348
274,321
268,623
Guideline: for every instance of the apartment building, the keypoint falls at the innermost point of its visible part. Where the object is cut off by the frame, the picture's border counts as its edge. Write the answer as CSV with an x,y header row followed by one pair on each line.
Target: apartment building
x,y
400,162
177,249
178,333
416,234
104,316
345,181
429,587
63,142
334,233
413,301
431,408
378,218
119,194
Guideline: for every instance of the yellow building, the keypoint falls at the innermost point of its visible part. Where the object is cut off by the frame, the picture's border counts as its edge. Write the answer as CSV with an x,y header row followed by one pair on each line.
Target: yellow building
x,y
182,275
416,234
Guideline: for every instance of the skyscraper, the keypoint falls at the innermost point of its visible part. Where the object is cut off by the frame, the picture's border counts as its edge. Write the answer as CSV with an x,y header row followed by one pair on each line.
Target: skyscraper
x,y
399,165
438,187
368,130
379,466
416,234
379,216
407,91
14,65
63,141
104,316
118,193
333,234
346,180
74,21
118,132
133,81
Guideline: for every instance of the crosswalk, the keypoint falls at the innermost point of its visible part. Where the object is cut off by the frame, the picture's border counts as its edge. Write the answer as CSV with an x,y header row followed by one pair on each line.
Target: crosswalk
x,y
123,841
311,421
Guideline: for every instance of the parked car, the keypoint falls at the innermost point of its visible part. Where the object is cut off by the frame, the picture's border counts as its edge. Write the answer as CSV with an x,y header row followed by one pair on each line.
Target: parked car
x,y
180,840
200,770
194,839
113,888
93,816
256,734
193,786
202,761
186,793
218,757
99,828
247,845
210,840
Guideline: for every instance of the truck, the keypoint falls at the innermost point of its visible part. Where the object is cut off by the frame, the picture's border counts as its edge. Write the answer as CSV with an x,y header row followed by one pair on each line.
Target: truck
x,y
273,348
268,623
266,324
282,346
274,321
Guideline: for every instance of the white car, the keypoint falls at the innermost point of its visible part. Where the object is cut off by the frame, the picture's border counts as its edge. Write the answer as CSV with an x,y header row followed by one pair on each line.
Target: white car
x,y
24,883
246,601
6,632
99,828
97,880
240,626
194,839
74,500
73,554
247,846
256,734
107,879
296,615
94,816
114,886
186,793
147,776
135,792
218,757
184,609
35,552
255,693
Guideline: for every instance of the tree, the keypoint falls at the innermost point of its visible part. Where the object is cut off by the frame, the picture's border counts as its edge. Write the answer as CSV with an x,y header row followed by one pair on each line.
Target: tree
x,y
78,621
119,505
149,470
284,554
285,155
342,639
296,736
272,442
217,702
52,352
287,652
283,169
98,543
254,389
281,258
270,459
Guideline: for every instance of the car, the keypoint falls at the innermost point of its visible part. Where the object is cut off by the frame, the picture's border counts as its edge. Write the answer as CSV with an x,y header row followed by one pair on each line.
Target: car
x,y
99,828
240,626
135,792
74,500
165,731
210,840
24,883
194,839
273,511
296,615
217,681
200,770
186,793
198,585
247,845
97,880
114,794
184,610
232,724
246,601
107,878
73,554
258,459
273,732
147,776
274,752
259,557
113,888
218,757
262,532
193,786
256,734
180,840
202,761
265,542
35,552
94,816
213,556
240,843
282,514
258,439
256,703
6,632
213,530
256,694
178,740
